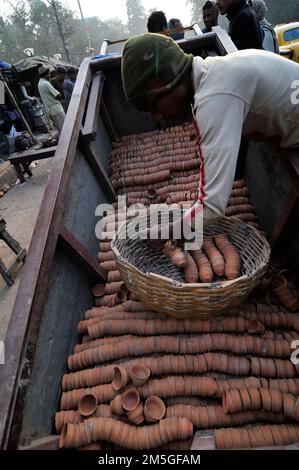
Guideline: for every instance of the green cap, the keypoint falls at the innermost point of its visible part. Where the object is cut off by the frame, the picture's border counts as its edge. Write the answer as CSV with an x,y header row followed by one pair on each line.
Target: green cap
x,y
152,64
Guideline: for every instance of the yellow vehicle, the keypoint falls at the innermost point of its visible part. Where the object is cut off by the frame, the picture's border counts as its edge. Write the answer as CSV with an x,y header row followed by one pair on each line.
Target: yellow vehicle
x,y
288,40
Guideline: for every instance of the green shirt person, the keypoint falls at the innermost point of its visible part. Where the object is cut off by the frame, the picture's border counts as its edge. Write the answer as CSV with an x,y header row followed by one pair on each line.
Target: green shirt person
x,y
51,98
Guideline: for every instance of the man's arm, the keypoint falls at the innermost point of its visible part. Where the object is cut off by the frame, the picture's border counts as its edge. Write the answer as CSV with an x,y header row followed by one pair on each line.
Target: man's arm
x,y
54,92
25,94
220,121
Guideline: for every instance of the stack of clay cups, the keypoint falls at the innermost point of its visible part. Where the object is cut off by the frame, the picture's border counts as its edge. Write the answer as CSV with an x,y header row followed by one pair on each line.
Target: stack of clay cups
x,y
282,287
129,401
87,405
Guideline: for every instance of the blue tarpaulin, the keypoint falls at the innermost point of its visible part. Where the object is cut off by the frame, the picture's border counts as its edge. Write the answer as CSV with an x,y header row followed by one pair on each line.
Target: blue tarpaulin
x,y
104,56
4,65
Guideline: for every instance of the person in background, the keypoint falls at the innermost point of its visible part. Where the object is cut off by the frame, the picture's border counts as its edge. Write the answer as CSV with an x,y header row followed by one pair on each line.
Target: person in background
x,y
51,98
68,85
175,23
244,28
58,79
270,42
210,15
25,102
157,22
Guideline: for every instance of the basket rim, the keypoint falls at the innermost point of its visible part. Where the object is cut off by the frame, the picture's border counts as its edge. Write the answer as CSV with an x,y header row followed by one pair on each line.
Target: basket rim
x,y
219,285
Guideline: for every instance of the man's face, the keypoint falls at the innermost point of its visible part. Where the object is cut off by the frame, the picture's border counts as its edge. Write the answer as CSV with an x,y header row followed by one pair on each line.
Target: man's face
x,y
73,76
174,104
178,24
60,76
209,18
225,5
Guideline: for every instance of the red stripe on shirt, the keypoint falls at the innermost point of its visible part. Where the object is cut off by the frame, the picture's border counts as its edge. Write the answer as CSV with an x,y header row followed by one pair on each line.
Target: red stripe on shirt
x,y
201,195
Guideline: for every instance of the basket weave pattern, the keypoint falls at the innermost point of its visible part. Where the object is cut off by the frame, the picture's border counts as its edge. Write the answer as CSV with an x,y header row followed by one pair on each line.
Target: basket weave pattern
x,y
154,280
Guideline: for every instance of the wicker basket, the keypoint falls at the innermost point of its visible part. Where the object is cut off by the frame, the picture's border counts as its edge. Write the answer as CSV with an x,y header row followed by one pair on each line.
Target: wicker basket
x,y
155,281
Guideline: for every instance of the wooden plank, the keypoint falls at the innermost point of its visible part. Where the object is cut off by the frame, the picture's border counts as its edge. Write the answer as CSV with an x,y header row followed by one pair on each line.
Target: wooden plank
x,y
27,312
80,255
31,156
196,44
206,41
10,272
98,169
167,32
223,41
93,108
109,124
104,47
44,443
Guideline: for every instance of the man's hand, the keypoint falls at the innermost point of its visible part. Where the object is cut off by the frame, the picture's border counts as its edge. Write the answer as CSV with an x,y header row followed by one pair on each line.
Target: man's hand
x,y
161,234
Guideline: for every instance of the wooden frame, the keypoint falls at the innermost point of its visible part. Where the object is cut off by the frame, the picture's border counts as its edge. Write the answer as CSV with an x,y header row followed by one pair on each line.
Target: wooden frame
x,y
98,170
167,32
27,157
223,41
218,38
32,155
93,107
82,257
25,321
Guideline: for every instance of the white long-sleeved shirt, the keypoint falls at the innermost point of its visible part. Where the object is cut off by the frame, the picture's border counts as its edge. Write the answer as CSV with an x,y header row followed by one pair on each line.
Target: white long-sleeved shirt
x,y
247,93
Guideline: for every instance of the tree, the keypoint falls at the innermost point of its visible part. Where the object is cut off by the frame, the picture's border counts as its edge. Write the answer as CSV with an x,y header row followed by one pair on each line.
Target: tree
x,y
196,10
136,17
32,23
62,16
98,31
282,12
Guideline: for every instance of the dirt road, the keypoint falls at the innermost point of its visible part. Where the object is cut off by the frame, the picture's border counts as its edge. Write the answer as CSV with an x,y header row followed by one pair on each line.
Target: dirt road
x,y
19,207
